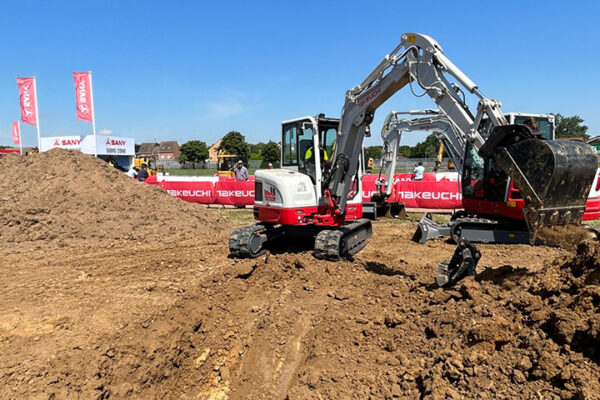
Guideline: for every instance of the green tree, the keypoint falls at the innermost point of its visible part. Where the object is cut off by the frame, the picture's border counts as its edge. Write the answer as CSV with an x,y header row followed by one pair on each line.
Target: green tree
x,y
405,151
257,148
271,152
374,152
568,127
427,149
235,143
193,151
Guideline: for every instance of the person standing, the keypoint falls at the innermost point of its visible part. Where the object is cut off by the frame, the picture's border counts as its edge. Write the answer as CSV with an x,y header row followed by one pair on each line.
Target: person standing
x,y
132,173
143,174
419,170
241,172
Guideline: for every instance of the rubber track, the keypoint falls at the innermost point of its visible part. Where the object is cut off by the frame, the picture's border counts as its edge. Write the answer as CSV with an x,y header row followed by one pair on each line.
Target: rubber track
x,y
332,245
240,239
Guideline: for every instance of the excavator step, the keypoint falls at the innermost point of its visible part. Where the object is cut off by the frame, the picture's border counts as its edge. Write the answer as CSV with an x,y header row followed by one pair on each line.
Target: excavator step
x,y
343,242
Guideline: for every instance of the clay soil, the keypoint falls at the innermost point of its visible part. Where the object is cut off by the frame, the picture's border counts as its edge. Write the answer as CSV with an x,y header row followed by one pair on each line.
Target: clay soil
x,y
112,289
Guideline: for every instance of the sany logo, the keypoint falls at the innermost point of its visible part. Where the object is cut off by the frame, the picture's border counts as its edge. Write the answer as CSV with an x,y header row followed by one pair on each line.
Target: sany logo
x,y
67,142
83,97
114,142
269,196
27,100
427,127
370,97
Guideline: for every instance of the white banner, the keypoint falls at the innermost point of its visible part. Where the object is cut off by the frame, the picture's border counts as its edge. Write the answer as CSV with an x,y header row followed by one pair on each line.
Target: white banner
x,y
63,142
111,145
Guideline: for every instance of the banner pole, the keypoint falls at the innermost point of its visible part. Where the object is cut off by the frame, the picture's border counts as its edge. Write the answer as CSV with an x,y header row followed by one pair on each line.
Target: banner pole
x,y
37,114
20,137
93,116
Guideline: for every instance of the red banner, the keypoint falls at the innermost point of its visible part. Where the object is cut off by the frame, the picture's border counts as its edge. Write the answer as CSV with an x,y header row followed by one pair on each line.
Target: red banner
x,y
235,193
83,95
428,194
27,100
16,134
196,192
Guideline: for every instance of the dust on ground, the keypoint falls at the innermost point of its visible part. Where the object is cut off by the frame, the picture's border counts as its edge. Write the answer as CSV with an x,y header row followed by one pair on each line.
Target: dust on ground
x,y
166,314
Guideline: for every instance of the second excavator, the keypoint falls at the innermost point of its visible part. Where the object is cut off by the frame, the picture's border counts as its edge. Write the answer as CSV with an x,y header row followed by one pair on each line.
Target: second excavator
x,y
324,202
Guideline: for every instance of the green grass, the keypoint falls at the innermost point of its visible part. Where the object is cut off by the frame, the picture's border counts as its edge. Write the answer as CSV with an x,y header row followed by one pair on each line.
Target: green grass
x,y
237,216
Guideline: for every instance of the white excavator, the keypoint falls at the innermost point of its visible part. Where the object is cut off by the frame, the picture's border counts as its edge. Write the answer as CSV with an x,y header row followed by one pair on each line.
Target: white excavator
x,y
321,199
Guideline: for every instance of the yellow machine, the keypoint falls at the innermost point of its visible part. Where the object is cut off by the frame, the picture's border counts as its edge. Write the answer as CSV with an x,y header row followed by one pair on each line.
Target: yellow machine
x,y
440,156
137,162
225,163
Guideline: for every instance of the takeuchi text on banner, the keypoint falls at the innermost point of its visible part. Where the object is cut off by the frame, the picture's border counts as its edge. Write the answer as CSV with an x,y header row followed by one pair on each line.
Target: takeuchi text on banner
x,y
16,135
27,100
83,96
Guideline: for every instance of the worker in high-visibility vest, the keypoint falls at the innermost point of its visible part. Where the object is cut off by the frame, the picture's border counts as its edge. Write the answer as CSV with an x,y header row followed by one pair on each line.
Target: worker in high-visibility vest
x,y
309,161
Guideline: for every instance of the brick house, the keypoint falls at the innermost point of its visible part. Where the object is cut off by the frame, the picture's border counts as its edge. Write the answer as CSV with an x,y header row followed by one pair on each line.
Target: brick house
x,y
146,150
167,151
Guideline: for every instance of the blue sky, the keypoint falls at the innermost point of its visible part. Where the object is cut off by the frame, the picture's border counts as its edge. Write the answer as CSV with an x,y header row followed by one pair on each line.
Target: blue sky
x,y
181,70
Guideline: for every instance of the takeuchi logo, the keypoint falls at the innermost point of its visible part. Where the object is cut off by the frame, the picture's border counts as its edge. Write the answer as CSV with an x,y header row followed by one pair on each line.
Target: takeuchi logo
x,y
115,142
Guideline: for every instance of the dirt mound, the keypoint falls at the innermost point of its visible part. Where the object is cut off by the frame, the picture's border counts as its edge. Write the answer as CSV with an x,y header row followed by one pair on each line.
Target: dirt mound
x,y
567,236
63,195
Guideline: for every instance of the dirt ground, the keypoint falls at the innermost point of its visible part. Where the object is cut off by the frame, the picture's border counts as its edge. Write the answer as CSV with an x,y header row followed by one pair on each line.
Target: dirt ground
x,y
89,312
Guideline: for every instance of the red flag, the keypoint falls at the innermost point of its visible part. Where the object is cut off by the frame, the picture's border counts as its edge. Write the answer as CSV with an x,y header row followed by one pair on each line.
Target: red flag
x,y
83,95
16,134
27,97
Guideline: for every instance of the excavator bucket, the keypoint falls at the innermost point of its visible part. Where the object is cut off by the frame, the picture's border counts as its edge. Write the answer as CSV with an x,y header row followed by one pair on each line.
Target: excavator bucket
x,y
554,177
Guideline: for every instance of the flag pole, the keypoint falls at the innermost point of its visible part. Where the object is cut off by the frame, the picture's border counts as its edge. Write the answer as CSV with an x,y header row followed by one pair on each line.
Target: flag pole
x,y
93,116
37,114
20,137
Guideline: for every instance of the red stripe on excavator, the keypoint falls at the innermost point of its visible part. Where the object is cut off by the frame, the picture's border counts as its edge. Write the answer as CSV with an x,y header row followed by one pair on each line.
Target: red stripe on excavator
x,y
305,215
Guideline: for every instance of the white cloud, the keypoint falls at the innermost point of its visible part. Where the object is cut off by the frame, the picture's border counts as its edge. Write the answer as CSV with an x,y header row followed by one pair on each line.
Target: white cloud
x,y
105,132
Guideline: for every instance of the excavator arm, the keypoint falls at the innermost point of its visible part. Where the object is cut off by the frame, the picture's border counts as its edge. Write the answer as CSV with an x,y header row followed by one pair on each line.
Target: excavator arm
x,y
418,61
434,121
541,170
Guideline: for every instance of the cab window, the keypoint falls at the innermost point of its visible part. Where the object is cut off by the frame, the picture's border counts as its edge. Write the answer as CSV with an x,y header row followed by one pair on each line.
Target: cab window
x,y
290,155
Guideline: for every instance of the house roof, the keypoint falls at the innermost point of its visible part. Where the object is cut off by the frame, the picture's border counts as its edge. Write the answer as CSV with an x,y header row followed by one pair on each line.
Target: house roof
x,y
216,145
146,148
168,147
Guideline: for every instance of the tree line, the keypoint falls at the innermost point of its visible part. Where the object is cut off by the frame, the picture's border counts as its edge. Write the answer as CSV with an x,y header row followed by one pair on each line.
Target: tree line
x,y
196,151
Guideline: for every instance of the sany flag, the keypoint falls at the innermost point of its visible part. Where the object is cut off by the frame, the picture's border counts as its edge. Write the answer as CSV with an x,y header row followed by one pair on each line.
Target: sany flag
x,y
83,96
27,97
16,134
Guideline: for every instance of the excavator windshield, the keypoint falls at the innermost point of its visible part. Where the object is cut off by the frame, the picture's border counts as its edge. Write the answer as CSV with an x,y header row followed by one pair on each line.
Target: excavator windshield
x,y
543,125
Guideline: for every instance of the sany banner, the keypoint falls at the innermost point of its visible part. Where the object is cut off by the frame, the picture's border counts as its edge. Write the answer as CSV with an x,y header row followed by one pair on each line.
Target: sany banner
x,y
83,96
16,134
63,142
27,100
